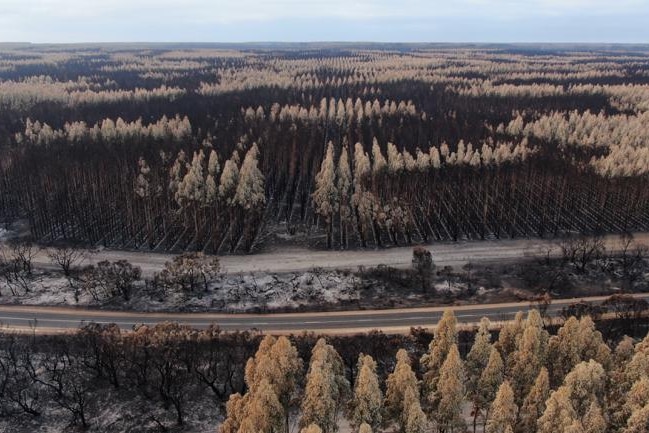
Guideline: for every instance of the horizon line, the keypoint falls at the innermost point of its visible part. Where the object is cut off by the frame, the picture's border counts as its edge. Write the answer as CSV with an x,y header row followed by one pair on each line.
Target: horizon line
x,y
342,42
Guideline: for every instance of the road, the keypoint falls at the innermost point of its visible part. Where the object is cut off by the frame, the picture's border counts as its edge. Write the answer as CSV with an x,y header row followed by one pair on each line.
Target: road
x,y
55,320
297,260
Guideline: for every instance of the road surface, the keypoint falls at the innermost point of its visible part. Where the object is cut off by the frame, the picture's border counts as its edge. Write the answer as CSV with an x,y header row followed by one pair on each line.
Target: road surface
x,y
49,319
298,260
54,320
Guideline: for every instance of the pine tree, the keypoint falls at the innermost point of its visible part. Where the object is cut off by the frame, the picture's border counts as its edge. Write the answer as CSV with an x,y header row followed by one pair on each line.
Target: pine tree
x,y
585,384
318,404
213,169
559,416
643,345
534,404
576,341
624,350
250,192
575,405
229,179
325,196
488,384
235,413
637,397
461,152
638,366
362,166
409,163
639,421
529,357
277,362
368,400
398,383
564,350
192,187
509,336
362,171
445,337
211,190
379,165
444,151
592,343
176,174
344,186
478,357
423,161
395,159
142,182
594,421
325,388
413,418
503,410
144,190
271,376
449,395
264,413
288,362
435,160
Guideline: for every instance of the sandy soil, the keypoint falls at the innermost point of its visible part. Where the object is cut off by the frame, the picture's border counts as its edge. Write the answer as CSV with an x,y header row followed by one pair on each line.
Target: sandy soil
x,y
302,259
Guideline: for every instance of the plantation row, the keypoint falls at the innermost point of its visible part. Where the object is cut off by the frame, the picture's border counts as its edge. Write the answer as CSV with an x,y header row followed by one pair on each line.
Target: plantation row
x,y
200,202
527,381
380,148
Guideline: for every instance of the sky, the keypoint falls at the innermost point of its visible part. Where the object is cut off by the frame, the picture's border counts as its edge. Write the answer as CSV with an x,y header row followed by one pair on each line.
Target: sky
x,y
62,21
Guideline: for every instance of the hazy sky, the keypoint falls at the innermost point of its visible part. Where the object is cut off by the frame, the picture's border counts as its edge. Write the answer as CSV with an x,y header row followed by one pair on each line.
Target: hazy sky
x,y
324,20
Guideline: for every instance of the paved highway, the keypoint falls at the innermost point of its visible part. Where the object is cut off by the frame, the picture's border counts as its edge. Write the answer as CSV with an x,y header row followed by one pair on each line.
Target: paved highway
x,y
55,320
